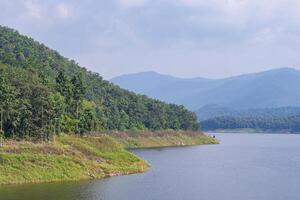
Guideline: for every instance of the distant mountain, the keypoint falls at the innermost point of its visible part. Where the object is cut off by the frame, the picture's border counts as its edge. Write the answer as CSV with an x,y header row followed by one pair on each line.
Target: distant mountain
x,y
213,110
274,88
216,111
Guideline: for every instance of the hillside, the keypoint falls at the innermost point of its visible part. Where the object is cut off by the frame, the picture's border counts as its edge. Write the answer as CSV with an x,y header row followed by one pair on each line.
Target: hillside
x,y
269,124
274,88
218,118
43,93
213,111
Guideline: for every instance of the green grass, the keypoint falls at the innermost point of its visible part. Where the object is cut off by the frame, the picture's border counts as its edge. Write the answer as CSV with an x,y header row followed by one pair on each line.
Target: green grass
x,y
68,158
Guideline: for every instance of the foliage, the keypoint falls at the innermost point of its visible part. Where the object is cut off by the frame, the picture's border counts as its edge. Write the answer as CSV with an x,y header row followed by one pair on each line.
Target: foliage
x,y
290,124
43,94
213,111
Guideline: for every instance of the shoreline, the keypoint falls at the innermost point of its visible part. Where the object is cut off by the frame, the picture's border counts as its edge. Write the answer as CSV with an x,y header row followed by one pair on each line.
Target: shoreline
x,y
73,158
250,131
159,139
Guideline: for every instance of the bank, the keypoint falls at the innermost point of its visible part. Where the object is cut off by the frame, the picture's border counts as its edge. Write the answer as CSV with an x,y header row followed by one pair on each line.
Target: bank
x,y
70,158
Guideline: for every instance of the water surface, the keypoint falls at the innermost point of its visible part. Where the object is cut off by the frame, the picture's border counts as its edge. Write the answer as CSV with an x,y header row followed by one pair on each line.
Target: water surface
x,y
242,167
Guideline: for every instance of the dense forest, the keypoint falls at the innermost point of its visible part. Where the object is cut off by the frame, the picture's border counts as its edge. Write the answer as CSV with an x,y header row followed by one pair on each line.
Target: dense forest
x,y
275,124
42,94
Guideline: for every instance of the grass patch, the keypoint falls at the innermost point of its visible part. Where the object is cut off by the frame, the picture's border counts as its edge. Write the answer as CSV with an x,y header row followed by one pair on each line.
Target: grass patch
x,y
162,139
67,158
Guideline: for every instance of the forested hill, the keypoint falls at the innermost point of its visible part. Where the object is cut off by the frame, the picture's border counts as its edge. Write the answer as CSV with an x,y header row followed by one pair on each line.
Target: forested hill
x,y
287,124
283,119
214,111
43,93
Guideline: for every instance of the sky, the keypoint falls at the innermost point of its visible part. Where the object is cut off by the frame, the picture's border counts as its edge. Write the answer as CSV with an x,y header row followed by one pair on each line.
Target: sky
x,y
184,38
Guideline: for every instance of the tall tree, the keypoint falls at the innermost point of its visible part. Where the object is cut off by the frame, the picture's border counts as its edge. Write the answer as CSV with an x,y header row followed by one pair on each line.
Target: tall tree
x,y
57,103
79,91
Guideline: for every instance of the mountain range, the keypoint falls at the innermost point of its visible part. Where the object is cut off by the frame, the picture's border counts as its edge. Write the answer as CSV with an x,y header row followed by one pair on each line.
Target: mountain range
x,y
268,89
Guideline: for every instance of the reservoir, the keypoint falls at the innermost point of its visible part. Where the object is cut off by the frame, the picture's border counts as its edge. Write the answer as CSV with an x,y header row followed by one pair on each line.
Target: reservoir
x,y
241,167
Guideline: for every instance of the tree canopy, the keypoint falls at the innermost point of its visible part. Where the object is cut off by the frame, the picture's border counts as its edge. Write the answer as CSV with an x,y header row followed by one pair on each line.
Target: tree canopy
x,y
274,124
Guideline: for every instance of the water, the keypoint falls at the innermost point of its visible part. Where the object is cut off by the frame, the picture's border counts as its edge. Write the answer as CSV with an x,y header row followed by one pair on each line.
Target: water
x,y
242,167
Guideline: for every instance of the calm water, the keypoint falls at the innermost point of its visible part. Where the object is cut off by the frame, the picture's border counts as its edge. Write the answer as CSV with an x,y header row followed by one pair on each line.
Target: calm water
x,y
242,167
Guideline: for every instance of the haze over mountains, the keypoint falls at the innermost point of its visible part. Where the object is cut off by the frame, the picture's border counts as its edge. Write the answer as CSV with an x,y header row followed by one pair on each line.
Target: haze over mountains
x,y
268,89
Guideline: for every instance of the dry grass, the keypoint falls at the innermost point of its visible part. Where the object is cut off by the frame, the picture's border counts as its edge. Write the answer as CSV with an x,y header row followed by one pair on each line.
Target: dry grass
x,y
150,139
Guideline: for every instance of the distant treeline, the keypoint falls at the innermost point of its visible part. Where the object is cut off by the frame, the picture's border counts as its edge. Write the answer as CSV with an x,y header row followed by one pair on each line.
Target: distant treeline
x,y
43,93
213,111
289,124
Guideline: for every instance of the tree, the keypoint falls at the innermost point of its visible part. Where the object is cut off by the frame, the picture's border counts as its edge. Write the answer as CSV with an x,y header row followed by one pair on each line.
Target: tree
x,y
78,94
64,87
40,109
7,98
57,103
88,121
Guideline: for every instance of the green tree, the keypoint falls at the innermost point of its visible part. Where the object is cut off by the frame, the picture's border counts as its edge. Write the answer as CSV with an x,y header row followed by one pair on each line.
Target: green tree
x,y
57,103
78,94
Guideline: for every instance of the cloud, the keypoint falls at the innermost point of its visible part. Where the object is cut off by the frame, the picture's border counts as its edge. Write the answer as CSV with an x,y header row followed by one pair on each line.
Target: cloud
x,y
184,37
195,3
45,11
132,3
33,9
64,10
256,9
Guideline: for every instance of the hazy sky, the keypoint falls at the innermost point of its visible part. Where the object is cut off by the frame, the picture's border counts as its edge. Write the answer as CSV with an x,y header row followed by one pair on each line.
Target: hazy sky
x,y
186,38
